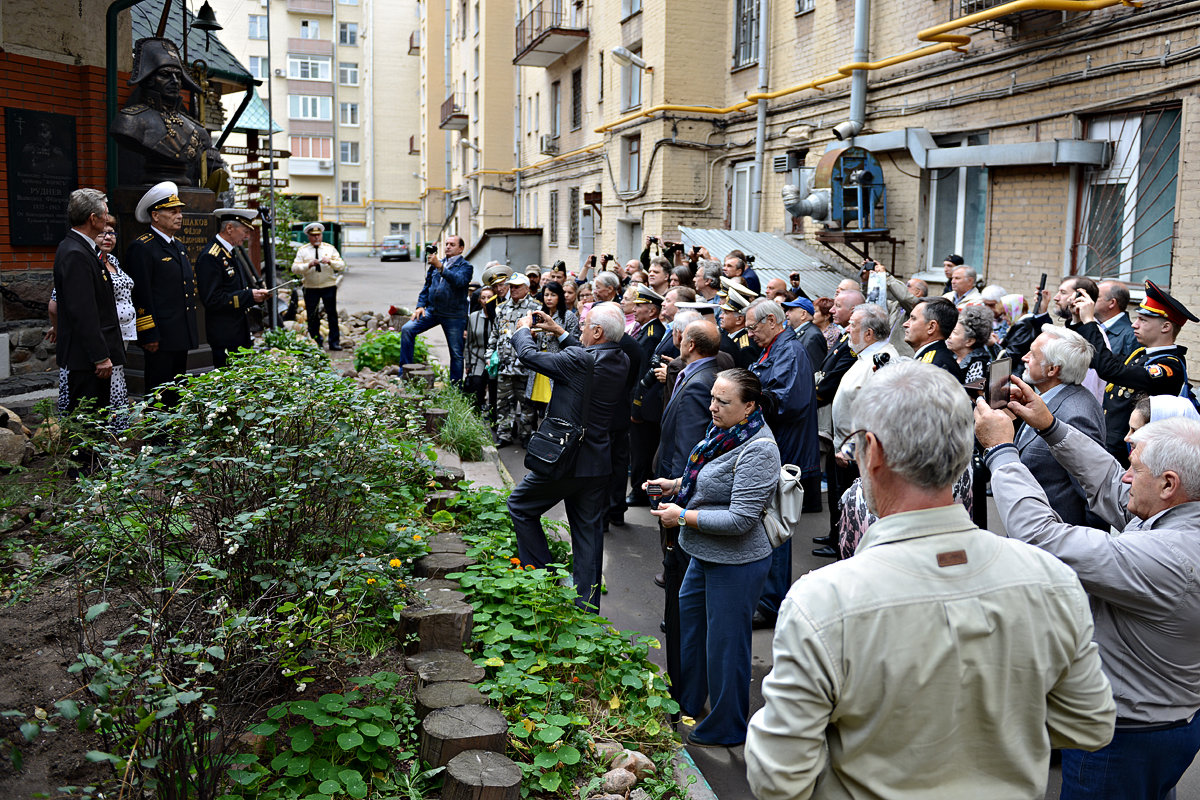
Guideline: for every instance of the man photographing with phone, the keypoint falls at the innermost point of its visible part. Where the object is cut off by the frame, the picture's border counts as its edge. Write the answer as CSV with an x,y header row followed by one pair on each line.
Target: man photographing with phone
x,y
442,301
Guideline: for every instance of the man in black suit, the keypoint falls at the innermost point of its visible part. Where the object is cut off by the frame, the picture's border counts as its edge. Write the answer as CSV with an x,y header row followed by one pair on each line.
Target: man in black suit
x,y
225,286
930,324
164,288
89,335
583,492
646,402
1110,315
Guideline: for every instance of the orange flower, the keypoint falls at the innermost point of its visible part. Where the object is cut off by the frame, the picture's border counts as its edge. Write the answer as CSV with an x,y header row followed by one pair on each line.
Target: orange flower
x,y
574,679
529,566
516,562
416,537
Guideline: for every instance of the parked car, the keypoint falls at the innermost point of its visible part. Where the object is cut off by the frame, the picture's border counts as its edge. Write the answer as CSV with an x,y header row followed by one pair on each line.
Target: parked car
x,y
394,247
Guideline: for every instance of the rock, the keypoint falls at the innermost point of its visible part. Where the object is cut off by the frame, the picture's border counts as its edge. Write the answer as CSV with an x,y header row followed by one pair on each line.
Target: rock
x,y
606,750
349,373
617,781
20,355
15,448
607,797
22,560
639,794
391,369
372,325
47,436
28,337
25,368
636,762
9,419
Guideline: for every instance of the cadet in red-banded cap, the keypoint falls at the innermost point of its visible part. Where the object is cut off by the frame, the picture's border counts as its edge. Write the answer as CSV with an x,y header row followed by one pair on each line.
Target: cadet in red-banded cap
x,y
1156,367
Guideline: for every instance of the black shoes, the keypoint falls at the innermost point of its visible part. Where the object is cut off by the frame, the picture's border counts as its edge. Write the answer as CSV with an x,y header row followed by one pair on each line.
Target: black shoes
x,y
615,519
826,541
761,621
335,347
660,581
825,552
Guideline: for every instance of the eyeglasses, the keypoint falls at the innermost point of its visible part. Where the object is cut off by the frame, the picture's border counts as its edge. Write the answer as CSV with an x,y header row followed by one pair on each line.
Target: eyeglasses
x,y
848,447
107,234
753,327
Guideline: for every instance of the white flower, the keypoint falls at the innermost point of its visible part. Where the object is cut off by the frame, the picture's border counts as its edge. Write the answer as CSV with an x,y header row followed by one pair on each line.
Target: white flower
x,y
300,687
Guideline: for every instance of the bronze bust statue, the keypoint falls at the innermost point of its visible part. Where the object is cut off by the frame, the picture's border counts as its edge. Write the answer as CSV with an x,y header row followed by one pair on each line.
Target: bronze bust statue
x,y
159,141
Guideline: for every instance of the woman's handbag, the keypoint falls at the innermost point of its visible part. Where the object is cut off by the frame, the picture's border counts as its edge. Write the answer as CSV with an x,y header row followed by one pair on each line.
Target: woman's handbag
x,y
553,448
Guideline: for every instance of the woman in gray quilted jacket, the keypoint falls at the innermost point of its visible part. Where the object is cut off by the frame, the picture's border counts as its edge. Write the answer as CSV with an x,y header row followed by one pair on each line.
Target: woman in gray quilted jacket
x,y
718,505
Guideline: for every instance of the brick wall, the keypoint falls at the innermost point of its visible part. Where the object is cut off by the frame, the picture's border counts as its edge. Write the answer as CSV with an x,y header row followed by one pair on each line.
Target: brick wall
x,y
63,89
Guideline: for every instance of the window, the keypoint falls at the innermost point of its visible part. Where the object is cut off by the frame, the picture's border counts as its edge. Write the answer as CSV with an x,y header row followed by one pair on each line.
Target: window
x,y
349,191
462,19
745,32
537,113
958,207
631,85
476,17
311,146
576,99
475,106
259,67
348,34
348,73
308,68
347,2
475,153
739,203
307,106
552,224
630,7
529,116
476,74
393,229
348,114
310,29
573,217
1128,208
258,27
631,163
348,152
600,81
804,6
555,107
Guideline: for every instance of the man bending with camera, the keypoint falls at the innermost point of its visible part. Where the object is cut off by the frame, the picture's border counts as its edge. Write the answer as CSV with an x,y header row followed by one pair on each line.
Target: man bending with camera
x,y
442,301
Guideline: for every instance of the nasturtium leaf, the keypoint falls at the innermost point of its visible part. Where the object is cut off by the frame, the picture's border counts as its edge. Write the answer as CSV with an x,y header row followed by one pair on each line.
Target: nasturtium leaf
x,y
545,760
550,781
550,734
349,740
302,738
329,787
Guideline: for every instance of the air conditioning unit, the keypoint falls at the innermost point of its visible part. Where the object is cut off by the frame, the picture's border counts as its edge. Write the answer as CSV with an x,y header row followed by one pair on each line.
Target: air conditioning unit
x,y
549,145
325,163
786,162
278,73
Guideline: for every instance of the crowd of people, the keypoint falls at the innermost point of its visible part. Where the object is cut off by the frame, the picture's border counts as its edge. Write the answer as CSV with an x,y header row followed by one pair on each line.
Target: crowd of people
x,y
947,663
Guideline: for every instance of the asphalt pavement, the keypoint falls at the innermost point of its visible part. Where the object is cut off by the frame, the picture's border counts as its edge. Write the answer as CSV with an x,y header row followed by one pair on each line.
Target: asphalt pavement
x,y
631,553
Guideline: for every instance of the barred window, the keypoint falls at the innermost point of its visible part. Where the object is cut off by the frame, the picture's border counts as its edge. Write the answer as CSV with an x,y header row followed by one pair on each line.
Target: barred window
x,y
745,32
552,225
573,213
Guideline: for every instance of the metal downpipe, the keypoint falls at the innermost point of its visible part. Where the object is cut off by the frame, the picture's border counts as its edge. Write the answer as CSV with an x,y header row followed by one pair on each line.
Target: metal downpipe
x,y
862,48
760,130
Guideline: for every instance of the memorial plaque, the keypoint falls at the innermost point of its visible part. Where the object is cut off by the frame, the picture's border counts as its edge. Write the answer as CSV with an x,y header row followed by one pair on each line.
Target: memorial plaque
x,y
41,174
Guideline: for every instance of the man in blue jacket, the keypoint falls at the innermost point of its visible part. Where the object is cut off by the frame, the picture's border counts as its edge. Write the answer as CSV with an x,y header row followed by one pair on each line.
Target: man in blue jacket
x,y
443,301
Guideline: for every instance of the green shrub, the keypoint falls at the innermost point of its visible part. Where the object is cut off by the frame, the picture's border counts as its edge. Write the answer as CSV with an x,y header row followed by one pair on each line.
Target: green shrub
x,y
380,349
463,432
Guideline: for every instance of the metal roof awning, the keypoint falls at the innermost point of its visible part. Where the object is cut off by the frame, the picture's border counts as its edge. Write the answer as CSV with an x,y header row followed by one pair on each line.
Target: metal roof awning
x,y
774,257
222,65
254,119
926,153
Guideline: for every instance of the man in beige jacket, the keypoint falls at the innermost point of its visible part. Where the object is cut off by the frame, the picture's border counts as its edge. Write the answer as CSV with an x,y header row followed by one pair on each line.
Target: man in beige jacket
x,y
320,267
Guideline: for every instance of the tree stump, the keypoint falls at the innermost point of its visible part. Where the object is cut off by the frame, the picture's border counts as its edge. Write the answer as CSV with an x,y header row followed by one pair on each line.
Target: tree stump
x,y
449,731
480,775
439,565
433,584
446,543
448,477
437,501
409,369
447,695
434,419
443,597
440,666
437,627
425,376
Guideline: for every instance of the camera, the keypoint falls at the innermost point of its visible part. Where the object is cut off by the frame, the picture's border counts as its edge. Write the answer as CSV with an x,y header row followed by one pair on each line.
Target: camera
x,y
868,265
653,240
749,260
881,359
430,248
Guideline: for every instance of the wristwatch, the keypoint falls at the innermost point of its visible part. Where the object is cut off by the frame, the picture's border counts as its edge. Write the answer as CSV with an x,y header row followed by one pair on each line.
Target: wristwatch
x,y
682,522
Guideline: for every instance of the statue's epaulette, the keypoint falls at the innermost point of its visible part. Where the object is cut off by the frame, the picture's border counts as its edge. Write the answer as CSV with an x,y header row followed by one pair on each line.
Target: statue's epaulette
x,y
146,237
137,108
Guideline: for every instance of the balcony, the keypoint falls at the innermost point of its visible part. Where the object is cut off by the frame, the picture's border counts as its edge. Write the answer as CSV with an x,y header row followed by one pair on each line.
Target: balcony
x,y
414,43
454,114
310,6
549,32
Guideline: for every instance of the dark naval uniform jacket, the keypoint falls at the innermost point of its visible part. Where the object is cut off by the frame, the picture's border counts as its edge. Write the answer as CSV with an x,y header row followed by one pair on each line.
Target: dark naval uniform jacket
x,y
164,292
743,349
1160,372
226,295
938,354
653,340
837,363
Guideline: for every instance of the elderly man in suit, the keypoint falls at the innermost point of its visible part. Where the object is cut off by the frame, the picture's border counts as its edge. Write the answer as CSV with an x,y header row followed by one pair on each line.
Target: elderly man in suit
x,y
1111,316
589,380
1056,365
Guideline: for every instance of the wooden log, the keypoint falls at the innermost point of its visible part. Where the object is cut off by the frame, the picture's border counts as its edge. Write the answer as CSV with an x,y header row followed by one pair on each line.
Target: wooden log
x,y
439,666
481,775
447,695
431,584
409,369
423,377
442,597
448,477
436,501
434,419
439,565
437,627
449,731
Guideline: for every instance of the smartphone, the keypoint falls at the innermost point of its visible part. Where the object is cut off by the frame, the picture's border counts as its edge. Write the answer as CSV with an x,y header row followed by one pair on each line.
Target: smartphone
x,y
998,384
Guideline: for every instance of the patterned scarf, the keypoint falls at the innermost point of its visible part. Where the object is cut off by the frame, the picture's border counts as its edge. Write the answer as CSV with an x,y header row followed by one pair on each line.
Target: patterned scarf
x,y
716,442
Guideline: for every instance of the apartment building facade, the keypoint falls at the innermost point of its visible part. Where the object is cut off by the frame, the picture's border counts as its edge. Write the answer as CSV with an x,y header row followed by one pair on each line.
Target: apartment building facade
x,y
336,75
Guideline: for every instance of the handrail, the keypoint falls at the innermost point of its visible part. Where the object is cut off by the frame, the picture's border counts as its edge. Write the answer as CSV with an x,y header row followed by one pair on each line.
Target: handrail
x,y
940,35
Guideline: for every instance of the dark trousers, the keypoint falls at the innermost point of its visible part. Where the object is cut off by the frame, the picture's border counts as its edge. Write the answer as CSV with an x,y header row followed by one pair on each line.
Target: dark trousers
x,y
675,564
620,473
643,444
220,351
162,367
585,502
1136,765
82,384
328,298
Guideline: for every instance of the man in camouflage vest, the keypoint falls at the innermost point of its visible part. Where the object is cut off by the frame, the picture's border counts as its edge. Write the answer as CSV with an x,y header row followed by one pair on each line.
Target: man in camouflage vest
x,y
514,410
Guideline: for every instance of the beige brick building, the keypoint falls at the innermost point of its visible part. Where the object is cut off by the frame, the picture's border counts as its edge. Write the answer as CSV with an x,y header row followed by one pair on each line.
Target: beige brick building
x,y
1028,140
337,73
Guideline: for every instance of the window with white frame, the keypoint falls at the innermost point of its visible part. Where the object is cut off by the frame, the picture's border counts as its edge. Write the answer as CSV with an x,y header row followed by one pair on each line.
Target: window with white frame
x,y
347,2
348,114
745,32
311,146
258,27
349,191
348,34
804,6
555,108
629,7
348,73
348,152
631,163
310,29
475,106
957,207
1127,209
308,106
308,68
631,84
739,201
260,67
552,213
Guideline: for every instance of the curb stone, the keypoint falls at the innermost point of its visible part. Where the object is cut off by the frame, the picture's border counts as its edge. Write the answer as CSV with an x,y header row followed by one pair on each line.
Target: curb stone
x,y
685,767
